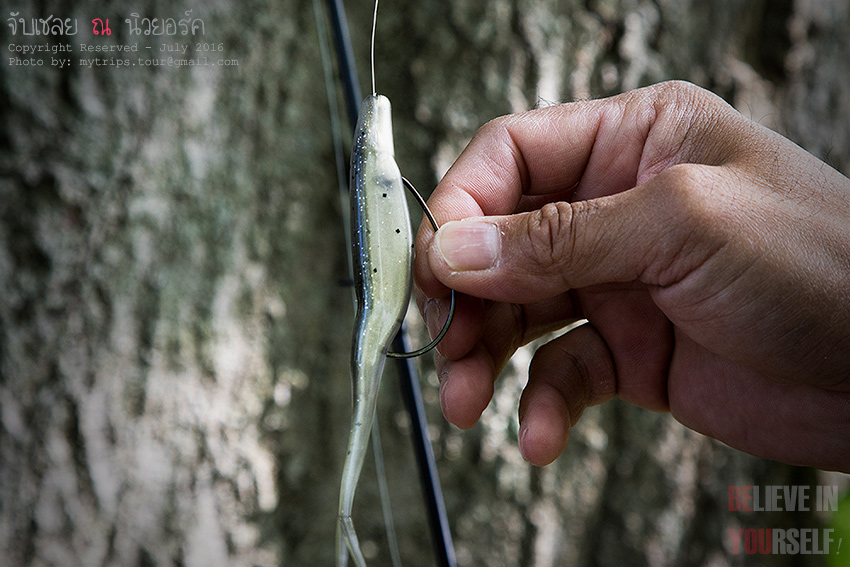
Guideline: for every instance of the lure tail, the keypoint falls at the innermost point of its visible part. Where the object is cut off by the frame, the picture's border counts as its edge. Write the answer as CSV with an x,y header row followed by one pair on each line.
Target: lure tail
x,y
366,369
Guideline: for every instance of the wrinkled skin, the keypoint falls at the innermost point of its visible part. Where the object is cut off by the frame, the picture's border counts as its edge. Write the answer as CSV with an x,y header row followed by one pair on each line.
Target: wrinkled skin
x,y
710,255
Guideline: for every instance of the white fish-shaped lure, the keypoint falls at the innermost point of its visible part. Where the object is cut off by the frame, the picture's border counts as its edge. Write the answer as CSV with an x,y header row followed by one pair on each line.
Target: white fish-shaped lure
x,y
382,248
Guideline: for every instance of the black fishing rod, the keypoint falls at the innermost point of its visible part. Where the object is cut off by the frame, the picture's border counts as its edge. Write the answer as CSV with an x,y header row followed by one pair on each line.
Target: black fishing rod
x,y
411,392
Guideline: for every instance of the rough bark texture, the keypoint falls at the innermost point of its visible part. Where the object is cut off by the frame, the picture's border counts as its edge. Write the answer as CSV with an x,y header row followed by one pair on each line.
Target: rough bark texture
x,y
173,336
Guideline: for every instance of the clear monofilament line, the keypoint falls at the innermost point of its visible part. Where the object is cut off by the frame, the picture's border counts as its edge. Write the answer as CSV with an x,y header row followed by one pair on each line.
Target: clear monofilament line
x,y
372,60
336,132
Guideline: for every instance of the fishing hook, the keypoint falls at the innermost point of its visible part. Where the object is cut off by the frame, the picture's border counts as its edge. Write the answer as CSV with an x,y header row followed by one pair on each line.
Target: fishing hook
x,y
430,346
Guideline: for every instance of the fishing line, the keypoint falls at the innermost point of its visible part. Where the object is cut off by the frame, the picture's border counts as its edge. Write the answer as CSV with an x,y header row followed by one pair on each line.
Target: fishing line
x,y
336,130
372,60
384,493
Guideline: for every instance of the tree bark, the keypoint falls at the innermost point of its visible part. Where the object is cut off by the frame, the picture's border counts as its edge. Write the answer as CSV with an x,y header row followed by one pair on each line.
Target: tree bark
x,y
174,333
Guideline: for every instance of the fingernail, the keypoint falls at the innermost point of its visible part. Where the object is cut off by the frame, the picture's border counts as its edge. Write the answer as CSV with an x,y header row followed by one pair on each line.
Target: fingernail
x,y
469,245
432,312
441,365
523,432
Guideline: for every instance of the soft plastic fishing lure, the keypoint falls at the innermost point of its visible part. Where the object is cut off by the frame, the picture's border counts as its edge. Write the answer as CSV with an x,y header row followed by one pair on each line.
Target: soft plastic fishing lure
x,y
382,252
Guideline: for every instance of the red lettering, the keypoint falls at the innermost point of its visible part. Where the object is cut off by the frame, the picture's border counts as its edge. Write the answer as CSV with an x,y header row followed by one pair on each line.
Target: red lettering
x,y
757,541
735,536
734,499
766,541
750,541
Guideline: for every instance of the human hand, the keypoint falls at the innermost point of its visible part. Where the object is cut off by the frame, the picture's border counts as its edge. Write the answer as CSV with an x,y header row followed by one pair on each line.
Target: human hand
x,y
710,255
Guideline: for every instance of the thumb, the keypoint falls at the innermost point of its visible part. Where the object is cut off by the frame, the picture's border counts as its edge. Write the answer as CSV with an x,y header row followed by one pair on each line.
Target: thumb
x,y
649,233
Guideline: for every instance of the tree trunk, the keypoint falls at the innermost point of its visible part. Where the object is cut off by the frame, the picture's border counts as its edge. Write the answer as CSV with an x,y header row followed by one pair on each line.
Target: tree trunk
x,y
174,333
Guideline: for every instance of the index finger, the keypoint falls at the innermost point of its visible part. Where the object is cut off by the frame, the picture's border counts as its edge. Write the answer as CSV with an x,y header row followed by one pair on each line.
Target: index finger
x,y
512,156
573,151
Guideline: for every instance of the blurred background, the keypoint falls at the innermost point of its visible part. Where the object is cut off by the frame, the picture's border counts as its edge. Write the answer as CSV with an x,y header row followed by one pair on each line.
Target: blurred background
x,y
174,324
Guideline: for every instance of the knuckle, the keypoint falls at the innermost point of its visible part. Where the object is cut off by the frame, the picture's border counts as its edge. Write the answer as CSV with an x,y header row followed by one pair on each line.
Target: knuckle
x,y
499,151
682,94
668,94
700,218
677,90
565,373
494,128
691,193
551,235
